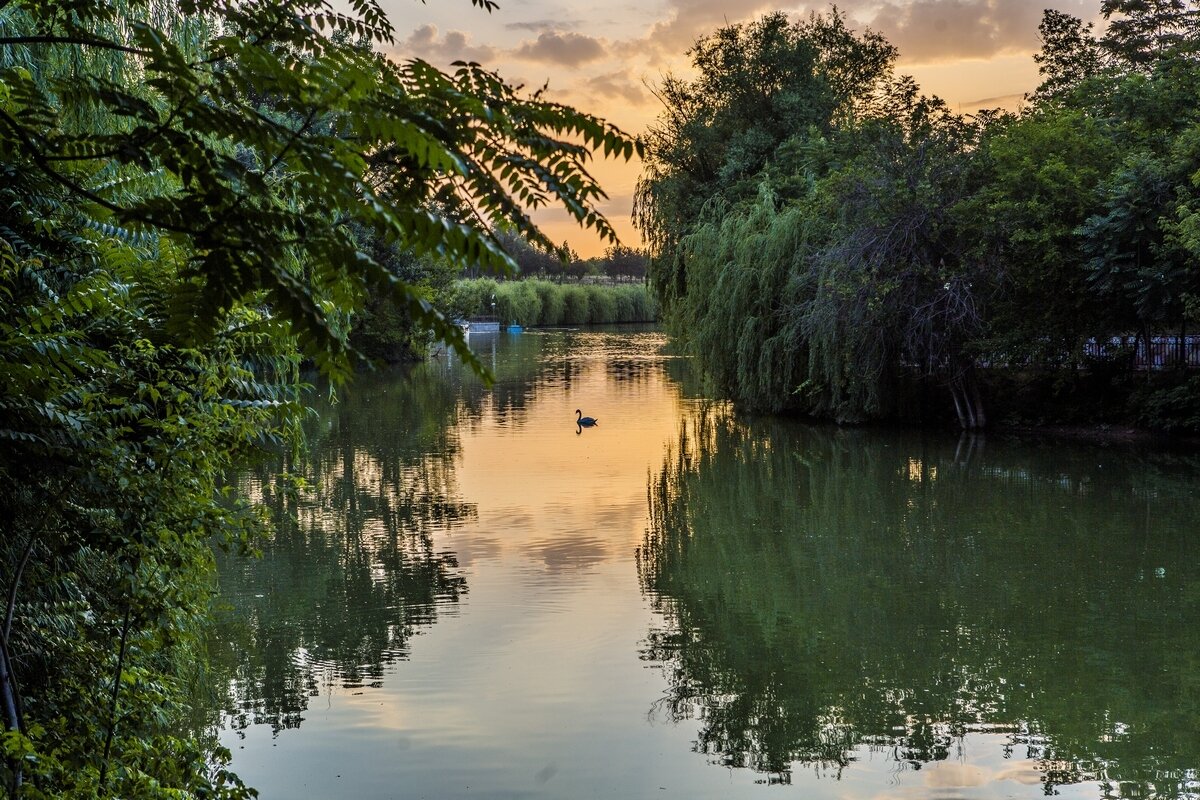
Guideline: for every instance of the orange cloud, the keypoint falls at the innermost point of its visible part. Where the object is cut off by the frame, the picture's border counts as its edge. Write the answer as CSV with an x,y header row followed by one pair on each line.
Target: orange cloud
x,y
564,49
930,31
425,43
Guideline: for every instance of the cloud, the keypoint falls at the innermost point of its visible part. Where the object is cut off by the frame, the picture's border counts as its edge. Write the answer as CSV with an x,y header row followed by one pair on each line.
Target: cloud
x,y
540,25
925,31
929,31
688,20
565,49
454,46
617,85
1006,102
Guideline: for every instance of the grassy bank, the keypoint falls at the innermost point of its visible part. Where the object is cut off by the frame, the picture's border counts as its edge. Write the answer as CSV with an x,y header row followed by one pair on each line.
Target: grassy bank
x,y
540,302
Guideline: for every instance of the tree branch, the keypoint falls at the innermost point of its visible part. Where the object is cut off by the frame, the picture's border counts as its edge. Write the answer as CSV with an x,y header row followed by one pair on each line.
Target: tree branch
x,y
100,43
39,158
116,693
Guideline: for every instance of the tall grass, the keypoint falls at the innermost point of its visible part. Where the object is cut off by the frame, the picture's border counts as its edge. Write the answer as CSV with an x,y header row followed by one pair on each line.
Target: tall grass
x,y
539,302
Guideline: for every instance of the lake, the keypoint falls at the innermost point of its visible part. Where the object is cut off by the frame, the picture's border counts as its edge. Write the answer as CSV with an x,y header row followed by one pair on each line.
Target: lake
x,y
473,597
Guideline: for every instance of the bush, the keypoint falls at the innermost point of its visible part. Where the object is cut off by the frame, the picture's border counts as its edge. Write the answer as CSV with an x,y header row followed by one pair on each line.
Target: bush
x,y
634,304
553,302
602,304
1174,409
472,298
541,302
575,305
518,301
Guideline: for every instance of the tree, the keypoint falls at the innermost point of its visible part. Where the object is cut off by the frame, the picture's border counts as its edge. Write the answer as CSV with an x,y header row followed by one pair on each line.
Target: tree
x,y
625,263
192,196
850,265
1141,32
759,85
1141,273
884,241
899,282
1039,177
421,158
1069,56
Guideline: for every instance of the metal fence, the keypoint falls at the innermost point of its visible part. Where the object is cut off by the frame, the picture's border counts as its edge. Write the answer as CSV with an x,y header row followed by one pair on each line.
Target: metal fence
x,y
1164,352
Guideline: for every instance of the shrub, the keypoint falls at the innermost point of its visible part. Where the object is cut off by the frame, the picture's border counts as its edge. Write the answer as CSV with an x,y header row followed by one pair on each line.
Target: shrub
x,y
518,301
575,305
553,302
602,304
541,302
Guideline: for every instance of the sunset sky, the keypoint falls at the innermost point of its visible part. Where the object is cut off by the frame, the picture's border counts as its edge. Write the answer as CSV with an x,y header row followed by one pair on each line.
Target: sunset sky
x,y
604,57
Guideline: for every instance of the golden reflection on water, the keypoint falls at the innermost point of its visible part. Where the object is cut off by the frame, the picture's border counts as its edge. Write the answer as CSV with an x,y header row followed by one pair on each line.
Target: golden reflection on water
x,y
564,497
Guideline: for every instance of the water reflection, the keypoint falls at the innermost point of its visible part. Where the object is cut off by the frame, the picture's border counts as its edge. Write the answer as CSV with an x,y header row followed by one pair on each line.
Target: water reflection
x,y
861,614
352,572
360,562
830,596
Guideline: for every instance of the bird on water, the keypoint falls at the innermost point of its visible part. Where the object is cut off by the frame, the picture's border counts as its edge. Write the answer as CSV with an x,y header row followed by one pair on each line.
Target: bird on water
x,y
586,422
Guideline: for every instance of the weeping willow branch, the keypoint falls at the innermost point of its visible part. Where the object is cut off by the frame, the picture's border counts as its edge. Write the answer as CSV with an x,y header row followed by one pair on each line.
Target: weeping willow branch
x,y
101,44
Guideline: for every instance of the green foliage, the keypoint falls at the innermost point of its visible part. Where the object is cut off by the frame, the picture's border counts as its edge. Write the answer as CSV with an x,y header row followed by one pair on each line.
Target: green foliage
x,y
877,237
117,441
601,303
1041,173
518,302
323,130
553,302
475,297
1172,409
751,264
194,197
540,302
384,331
1070,55
634,304
1140,32
575,305
759,86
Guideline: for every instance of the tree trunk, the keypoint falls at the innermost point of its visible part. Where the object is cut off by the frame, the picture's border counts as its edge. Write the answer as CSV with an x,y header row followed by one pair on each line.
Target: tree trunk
x,y
976,400
968,402
11,703
958,406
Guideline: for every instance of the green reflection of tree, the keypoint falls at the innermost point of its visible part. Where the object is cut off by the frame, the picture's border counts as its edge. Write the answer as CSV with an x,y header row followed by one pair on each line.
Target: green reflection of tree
x,y
352,572
828,590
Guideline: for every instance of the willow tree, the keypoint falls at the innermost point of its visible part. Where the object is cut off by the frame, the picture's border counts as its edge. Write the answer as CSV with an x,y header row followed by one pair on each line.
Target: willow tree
x,y
185,190
809,270
759,86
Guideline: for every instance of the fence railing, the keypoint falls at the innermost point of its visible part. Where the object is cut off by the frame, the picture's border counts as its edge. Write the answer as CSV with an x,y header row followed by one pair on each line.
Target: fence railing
x,y
1163,352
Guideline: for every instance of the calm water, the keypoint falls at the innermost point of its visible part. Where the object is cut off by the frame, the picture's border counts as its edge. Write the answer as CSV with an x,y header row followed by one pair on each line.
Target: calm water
x,y
473,598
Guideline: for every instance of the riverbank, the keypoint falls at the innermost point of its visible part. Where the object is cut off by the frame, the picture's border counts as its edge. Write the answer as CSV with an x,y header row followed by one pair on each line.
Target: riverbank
x,y
1080,406
1101,434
